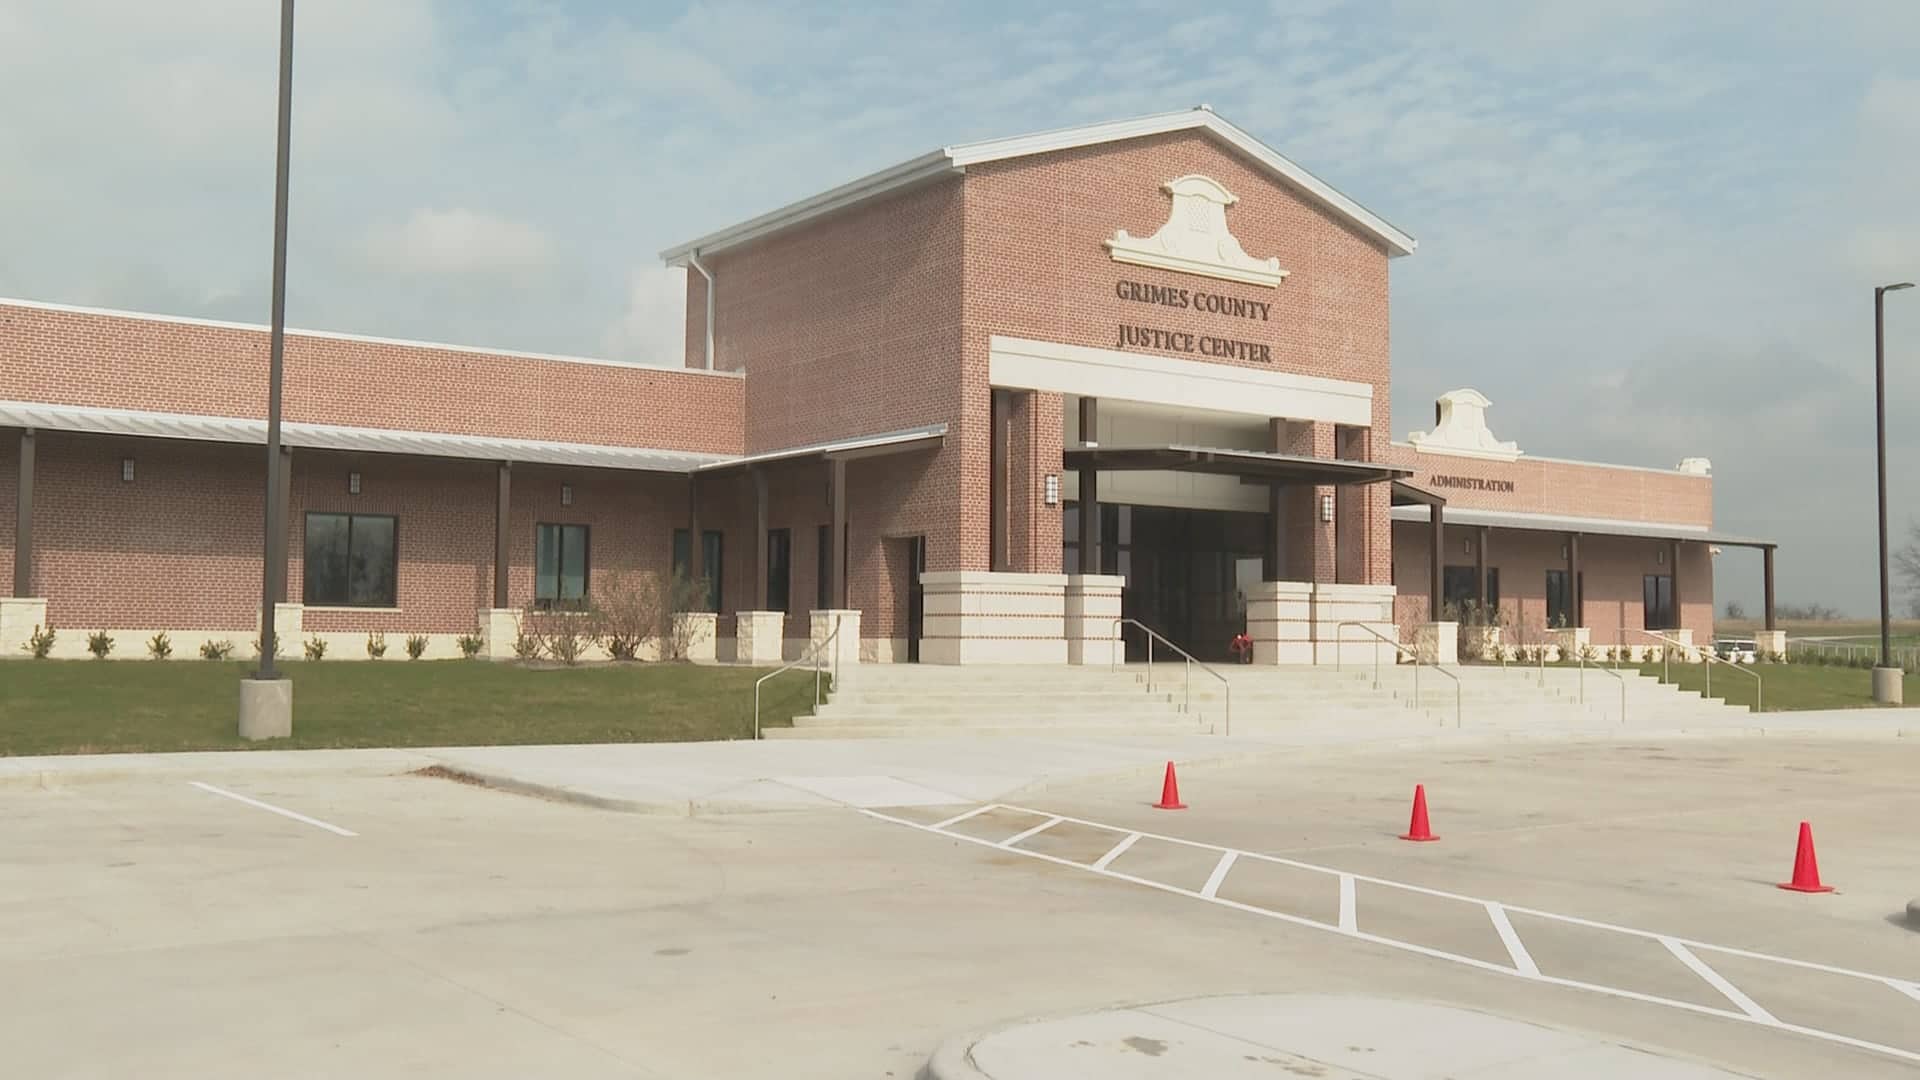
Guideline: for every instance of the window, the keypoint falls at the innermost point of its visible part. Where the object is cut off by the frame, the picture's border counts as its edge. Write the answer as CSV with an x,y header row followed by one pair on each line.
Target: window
x,y
1656,600
559,566
712,548
822,601
1460,588
779,568
350,560
1559,600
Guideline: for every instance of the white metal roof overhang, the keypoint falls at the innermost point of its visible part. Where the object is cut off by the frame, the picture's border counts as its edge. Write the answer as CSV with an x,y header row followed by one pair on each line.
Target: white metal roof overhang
x,y
1652,530
227,429
889,442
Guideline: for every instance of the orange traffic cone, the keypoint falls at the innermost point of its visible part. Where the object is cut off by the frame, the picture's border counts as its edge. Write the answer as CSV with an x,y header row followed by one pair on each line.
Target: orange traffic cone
x,y
1417,829
1806,870
1170,792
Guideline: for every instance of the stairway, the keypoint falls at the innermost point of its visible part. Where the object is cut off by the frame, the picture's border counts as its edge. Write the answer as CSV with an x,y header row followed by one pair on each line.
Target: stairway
x,y
896,700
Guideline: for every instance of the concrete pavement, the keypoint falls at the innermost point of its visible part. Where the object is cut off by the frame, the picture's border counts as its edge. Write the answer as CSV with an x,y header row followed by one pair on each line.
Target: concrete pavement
x,y
1262,1036
745,776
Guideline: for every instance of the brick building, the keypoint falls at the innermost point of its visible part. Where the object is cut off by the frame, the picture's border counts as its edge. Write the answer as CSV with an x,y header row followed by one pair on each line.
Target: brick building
x,y
977,407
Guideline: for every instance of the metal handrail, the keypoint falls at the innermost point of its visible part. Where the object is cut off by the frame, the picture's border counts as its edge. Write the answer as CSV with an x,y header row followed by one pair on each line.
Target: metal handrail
x,y
1707,655
1621,679
812,651
1186,705
1339,651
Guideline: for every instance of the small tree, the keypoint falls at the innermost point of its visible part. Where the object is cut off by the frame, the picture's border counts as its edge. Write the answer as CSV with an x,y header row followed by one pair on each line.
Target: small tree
x,y
562,635
679,636
99,643
630,609
1906,566
1735,611
160,646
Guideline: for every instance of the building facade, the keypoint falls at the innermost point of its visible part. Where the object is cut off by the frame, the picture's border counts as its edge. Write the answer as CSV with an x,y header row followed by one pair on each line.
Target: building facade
x,y
1011,401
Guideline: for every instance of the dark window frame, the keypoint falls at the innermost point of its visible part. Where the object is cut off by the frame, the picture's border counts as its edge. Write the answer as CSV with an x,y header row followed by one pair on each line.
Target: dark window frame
x,y
550,603
1559,599
780,571
712,559
1651,613
346,601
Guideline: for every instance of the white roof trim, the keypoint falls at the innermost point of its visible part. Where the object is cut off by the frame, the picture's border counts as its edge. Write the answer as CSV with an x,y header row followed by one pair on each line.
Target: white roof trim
x,y
1531,457
330,335
927,433
954,160
1511,519
227,429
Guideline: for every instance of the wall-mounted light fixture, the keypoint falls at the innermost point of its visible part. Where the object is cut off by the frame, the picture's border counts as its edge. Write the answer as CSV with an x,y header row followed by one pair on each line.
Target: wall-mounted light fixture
x,y
353,483
566,494
1053,489
1466,547
126,469
1660,557
1563,551
1326,508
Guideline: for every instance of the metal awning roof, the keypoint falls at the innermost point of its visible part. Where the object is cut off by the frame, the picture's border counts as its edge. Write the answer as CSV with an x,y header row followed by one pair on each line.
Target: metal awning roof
x,y
1253,466
1557,523
892,442
157,425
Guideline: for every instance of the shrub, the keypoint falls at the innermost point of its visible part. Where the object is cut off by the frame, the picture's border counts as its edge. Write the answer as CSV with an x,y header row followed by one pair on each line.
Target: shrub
x,y
1589,654
40,642
562,635
526,644
416,644
630,610
277,648
679,636
160,646
216,650
315,648
99,643
471,644
376,644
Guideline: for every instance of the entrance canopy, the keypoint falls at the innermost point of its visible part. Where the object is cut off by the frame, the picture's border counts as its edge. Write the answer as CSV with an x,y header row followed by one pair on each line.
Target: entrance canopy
x,y
1252,466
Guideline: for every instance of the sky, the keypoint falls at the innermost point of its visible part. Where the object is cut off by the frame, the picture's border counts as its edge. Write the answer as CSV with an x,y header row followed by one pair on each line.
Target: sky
x,y
1649,229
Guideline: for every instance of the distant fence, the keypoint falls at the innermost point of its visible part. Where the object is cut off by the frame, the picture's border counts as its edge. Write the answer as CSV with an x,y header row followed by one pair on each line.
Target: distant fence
x,y
1849,653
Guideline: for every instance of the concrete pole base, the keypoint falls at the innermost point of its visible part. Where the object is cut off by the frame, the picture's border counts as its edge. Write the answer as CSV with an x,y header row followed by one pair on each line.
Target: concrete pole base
x,y
1887,686
266,709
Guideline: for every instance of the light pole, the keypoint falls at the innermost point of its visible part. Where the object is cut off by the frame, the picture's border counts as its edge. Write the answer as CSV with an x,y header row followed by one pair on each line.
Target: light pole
x,y
266,697
1887,677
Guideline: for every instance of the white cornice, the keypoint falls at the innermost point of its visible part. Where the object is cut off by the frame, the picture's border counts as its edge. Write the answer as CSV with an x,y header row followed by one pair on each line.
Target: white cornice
x,y
954,160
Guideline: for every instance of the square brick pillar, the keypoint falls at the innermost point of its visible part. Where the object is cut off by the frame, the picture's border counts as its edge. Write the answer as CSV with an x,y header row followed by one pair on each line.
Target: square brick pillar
x,y
1310,554
1092,606
981,617
19,617
1280,622
501,627
844,653
702,634
759,637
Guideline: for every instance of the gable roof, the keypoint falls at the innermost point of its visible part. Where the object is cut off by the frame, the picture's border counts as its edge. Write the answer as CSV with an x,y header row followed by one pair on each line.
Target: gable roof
x,y
953,161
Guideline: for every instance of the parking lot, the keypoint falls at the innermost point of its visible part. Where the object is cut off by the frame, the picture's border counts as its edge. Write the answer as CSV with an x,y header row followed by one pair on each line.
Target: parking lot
x,y
406,925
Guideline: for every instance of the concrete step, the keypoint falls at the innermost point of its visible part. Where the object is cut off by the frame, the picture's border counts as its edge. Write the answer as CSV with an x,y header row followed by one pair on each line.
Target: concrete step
x,y
910,730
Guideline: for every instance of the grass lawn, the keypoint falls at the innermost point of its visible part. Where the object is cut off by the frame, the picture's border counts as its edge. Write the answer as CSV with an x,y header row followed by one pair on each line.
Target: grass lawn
x,y
1786,686
90,706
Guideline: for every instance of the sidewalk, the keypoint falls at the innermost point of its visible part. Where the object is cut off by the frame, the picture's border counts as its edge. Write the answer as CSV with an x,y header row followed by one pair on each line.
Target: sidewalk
x,y
1259,1037
723,777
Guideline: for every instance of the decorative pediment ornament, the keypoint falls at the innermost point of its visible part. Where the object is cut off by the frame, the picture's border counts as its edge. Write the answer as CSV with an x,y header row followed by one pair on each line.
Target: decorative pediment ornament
x,y
1460,427
1195,239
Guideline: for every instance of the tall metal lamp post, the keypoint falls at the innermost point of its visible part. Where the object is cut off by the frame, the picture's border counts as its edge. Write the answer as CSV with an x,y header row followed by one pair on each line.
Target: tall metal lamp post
x,y
266,697
1887,688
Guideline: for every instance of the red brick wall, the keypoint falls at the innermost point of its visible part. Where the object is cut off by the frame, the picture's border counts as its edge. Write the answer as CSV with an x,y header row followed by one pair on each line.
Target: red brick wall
x,y
1612,569
1564,487
176,549
131,362
1036,268
850,326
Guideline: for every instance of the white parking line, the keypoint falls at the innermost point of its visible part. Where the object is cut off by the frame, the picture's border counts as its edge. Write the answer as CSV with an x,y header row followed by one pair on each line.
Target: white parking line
x,y
1718,982
1212,887
1747,1009
272,809
1522,959
958,818
1118,850
1040,828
